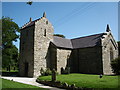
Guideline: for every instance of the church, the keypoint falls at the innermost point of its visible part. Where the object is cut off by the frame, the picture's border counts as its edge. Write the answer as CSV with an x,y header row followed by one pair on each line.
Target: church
x,y
39,48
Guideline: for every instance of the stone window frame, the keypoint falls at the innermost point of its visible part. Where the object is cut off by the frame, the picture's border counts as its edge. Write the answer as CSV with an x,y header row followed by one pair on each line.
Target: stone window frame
x,y
45,34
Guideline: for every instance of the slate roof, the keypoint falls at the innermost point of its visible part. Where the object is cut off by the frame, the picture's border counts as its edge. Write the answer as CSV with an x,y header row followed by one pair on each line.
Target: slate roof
x,y
81,42
87,41
62,42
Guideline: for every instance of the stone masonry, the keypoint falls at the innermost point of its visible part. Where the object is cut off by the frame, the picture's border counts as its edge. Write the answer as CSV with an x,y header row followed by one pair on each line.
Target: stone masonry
x,y
109,52
42,37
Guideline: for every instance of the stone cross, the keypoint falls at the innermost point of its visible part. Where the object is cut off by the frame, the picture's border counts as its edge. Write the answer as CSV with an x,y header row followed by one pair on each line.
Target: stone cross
x,y
53,75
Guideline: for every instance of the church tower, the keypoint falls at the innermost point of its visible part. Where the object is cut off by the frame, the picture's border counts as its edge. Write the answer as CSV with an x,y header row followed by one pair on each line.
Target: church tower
x,y
42,36
34,43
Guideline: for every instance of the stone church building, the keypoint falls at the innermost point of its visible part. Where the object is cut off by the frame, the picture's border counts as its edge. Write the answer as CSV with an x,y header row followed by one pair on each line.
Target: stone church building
x,y
39,48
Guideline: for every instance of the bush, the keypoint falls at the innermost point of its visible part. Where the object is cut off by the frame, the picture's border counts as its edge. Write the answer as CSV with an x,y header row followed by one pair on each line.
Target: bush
x,y
45,72
48,72
66,71
42,72
115,64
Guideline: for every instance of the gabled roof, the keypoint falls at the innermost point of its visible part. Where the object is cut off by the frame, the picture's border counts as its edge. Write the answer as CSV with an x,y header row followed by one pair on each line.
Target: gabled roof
x,y
87,41
81,42
62,42
29,23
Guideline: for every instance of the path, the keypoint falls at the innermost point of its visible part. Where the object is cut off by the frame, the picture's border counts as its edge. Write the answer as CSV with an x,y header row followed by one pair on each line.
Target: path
x,y
30,81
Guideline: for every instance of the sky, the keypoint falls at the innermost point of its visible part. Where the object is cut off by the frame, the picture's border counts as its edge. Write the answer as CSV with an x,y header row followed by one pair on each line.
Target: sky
x,y
72,19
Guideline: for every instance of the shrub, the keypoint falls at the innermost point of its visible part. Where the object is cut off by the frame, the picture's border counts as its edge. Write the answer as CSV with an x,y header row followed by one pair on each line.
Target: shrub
x,y
66,71
48,72
115,64
42,72
45,72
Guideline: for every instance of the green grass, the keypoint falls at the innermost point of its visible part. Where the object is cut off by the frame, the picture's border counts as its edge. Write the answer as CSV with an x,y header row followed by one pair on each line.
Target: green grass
x,y
86,80
12,84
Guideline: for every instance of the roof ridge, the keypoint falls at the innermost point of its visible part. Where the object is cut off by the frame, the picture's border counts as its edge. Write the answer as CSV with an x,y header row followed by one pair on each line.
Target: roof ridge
x,y
37,19
87,36
25,25
61,37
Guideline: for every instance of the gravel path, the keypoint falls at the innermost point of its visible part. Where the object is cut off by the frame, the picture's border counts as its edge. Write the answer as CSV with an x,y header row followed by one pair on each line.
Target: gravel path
x,y
30,81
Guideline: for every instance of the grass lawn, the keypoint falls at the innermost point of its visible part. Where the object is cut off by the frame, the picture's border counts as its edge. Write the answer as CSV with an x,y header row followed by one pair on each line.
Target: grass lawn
x,y
12,84
87,80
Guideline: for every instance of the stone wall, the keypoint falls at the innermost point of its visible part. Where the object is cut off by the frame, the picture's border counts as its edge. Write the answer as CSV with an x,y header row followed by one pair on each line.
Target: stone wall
x,y
63,57
42,36
74,61
26,52
109,52
53,57
87,60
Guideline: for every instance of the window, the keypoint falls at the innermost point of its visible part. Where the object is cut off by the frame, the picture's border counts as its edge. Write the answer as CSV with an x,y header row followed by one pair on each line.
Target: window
x,y
111,54
45,32
46,22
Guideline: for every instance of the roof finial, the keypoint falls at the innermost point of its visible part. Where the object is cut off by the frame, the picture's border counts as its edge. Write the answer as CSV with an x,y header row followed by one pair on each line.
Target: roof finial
x,y
108,28
44,14
30,19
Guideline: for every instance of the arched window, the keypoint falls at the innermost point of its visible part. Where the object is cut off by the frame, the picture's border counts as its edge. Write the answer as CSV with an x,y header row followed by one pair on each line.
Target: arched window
x,y
111,54
45,32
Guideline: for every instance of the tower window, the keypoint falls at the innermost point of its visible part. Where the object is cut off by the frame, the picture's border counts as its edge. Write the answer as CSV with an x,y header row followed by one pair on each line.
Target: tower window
x,y
45,32
46,22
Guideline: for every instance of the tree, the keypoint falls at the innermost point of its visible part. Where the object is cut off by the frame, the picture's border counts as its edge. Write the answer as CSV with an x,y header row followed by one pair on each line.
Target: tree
x,y
115,64
119,47
59,35
9,34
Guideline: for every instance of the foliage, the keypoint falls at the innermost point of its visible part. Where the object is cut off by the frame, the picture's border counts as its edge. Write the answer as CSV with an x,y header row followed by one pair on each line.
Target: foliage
x,y
42,72
66,71
9,29
12,84
86,80
48,72
59,35
119,47
115,64
9,34
45,72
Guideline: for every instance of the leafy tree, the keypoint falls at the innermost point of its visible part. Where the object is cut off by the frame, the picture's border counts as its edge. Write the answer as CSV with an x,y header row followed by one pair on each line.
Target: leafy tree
x,y
59,35
9,34
119,47
115,64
